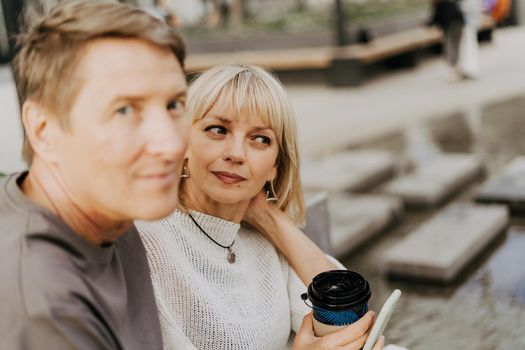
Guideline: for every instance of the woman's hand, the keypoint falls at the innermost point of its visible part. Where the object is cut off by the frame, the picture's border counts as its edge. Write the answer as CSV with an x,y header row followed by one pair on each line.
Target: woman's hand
x,y
352,337
264,216
302,254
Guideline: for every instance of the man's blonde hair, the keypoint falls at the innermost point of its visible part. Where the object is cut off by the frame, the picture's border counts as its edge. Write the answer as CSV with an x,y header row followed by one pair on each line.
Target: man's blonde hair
x,y
247,90
51,48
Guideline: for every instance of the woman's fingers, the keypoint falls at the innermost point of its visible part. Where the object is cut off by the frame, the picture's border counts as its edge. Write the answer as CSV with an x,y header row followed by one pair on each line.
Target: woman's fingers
x,y
305,338
380,343
307,327
354,331
357,344
352,337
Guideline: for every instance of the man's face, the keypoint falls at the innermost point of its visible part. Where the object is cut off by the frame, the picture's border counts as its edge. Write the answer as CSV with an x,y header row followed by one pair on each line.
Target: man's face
x,y
122,155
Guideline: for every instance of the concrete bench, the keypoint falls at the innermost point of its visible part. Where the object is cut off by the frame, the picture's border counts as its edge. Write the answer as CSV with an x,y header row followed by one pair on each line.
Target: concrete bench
x,y
355,219
399,50
317,226
442,247
276,60
508,187
433,183
348,171
348,65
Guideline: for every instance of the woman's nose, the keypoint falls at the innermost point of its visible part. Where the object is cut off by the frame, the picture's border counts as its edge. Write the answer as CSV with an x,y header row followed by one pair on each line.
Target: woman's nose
x,y
235,151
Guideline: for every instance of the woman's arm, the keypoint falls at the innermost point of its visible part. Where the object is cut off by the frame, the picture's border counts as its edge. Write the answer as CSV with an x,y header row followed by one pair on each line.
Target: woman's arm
x,y
305,257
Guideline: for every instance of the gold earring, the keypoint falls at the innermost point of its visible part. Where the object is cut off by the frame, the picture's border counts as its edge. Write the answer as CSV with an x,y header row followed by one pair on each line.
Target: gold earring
x,y
270,192
185,174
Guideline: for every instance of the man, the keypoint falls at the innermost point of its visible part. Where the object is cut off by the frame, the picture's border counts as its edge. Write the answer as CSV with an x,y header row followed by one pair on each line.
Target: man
x,y
103,93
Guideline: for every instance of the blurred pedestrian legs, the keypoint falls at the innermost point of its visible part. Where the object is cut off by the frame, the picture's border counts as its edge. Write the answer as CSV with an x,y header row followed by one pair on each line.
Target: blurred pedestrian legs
x,y
469,62
447,15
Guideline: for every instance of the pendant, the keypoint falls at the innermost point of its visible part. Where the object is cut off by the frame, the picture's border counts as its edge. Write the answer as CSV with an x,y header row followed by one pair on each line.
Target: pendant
x,y
231,256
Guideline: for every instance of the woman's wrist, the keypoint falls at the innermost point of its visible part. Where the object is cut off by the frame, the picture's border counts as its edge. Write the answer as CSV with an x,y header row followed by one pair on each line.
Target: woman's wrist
x,y
274,224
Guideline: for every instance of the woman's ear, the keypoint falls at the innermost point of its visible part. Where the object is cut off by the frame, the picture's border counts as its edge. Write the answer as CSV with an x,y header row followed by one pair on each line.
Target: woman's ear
x,y
41,130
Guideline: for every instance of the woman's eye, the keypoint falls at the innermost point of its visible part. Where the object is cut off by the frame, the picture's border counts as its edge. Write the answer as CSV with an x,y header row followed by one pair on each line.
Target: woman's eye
x,y
125,111
216,129
176,104
263,139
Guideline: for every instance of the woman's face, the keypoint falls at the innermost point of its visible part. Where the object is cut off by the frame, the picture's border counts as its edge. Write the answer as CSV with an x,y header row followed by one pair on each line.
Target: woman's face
x,y
230,158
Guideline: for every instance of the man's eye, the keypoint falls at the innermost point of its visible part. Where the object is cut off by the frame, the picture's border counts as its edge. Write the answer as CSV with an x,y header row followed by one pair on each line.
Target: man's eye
x,y
263,139
176,104
125,110
216,129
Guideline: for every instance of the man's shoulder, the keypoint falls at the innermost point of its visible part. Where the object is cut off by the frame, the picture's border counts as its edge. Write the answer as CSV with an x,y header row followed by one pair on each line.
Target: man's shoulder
x,y
38,281
37,260
43,273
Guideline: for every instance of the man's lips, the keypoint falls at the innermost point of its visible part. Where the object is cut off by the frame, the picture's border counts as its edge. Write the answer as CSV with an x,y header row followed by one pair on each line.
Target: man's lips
x,y
163,178
228,178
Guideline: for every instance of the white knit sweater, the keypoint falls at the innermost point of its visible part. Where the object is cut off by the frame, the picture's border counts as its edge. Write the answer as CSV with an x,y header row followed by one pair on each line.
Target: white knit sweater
x,y
204,302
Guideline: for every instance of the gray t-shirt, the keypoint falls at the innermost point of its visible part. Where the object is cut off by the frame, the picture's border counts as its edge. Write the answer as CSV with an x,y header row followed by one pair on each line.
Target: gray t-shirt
x,y
57,291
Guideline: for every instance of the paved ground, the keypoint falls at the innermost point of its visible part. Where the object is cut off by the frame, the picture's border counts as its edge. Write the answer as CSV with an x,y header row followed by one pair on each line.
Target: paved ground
x,y
332,118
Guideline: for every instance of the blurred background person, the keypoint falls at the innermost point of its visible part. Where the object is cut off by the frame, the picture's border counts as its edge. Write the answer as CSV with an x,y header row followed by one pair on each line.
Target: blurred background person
x,y
447,15
468,62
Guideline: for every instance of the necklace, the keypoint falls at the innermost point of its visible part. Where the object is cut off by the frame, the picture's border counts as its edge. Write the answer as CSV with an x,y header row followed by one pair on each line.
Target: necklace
x,y
231,254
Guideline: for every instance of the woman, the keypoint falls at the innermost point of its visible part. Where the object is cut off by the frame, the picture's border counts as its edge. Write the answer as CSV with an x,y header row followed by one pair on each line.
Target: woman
x,y
220,284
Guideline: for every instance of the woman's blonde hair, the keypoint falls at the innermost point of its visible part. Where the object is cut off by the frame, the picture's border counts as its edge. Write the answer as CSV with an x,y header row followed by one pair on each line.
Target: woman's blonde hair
x,y
253,91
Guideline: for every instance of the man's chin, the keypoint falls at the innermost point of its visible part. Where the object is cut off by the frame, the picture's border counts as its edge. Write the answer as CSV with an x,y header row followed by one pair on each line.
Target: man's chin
x,y
155,210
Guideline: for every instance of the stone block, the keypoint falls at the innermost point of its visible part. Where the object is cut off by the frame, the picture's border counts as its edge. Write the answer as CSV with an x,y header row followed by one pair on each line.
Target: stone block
x,y
348,171
317,226
508,187
443,246
431,184
355,219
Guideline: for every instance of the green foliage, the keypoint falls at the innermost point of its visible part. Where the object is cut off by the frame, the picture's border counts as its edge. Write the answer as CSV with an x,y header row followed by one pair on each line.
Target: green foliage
x,y
364,10
309,19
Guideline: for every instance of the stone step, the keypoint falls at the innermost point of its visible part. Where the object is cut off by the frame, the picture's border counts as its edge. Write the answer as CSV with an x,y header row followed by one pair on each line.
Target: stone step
x,y
443,246
433,183
355,219
317,225
508,187
348,171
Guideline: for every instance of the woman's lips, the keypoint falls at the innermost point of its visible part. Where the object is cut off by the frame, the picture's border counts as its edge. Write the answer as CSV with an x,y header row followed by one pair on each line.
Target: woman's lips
x,y
228,178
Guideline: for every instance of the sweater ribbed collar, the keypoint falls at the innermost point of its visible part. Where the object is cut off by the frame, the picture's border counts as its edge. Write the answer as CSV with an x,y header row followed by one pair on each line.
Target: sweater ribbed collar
x,y
222,231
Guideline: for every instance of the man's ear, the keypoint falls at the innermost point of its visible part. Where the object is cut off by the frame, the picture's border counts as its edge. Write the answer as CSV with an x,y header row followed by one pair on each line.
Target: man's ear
x,y
41,130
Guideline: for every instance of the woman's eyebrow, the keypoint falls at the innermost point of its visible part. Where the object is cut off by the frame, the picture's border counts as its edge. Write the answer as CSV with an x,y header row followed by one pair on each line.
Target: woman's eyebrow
x,y
221,119
229,122
262,128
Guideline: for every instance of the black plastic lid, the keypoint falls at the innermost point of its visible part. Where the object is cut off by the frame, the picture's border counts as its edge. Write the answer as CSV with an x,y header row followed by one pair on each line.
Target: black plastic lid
x,y
339,290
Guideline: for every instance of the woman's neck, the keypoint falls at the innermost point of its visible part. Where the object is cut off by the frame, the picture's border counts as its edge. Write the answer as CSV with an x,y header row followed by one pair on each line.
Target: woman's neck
x,y
44,186
194,199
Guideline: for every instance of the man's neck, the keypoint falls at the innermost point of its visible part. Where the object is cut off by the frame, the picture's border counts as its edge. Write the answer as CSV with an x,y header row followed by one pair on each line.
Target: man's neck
x,y
44,186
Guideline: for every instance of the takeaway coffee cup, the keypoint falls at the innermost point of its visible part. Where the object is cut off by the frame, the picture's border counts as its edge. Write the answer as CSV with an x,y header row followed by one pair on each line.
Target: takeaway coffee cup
x,y
339,298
